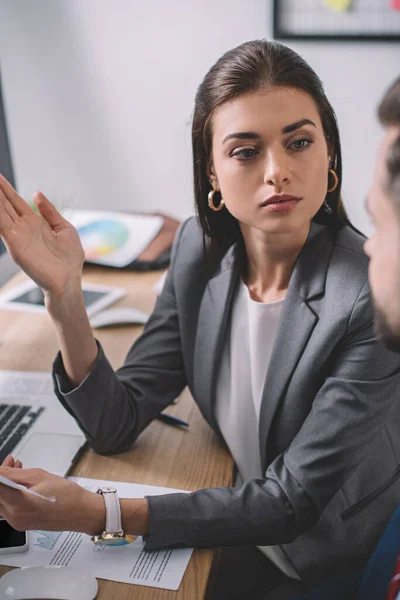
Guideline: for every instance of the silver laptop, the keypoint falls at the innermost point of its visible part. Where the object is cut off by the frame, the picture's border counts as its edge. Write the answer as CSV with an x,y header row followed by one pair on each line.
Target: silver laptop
x,y
34,427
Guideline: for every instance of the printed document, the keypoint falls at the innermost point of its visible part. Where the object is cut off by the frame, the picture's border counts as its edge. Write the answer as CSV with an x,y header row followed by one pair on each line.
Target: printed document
x,y
113,239
127,564
26,384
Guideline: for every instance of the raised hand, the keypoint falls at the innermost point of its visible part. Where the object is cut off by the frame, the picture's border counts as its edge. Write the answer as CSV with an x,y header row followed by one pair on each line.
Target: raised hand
x,y
46,247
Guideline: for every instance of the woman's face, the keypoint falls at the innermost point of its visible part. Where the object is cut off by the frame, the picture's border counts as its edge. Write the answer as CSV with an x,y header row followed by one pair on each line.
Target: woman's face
x,y
266,143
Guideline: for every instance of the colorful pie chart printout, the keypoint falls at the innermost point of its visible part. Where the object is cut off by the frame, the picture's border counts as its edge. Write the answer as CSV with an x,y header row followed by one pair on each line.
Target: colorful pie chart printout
x,y
113,239
102,238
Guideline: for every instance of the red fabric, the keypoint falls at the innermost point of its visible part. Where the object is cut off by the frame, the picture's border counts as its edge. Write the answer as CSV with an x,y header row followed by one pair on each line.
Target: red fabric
x,y
394,585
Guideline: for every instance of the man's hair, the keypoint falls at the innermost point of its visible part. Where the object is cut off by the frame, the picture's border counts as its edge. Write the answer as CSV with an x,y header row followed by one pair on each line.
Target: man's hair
x,y
389,114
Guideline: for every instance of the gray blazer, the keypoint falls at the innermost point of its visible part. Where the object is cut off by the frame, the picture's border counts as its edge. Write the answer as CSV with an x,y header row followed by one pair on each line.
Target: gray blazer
x,y
329,430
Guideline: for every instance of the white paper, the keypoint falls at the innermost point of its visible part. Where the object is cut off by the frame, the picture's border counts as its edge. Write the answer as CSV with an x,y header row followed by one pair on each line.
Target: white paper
x,y
112,238
127,564
121,315
26,384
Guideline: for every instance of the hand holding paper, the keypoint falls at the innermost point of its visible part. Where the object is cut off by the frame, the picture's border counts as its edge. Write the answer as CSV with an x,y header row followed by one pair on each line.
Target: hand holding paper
x,y
23,488
127,564
75,508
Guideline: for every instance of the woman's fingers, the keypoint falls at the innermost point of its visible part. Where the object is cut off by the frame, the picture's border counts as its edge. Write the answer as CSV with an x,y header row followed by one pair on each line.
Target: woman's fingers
x,y
75,508
6,207
8,496
8,462
5,220
49,211
18,204
27,477
16,507
11,212
3,512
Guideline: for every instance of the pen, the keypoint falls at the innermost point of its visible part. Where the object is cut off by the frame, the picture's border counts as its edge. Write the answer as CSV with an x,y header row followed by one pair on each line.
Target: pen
x,y
170,420
18,486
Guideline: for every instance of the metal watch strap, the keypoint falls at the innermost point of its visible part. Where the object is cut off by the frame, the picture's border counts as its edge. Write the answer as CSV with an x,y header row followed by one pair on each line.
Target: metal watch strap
x,y
113,509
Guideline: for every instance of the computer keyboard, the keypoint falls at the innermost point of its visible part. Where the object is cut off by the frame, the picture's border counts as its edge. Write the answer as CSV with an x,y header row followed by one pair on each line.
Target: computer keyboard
x,y
15,422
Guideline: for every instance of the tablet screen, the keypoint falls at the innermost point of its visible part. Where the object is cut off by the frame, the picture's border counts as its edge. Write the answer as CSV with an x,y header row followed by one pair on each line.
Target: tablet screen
x,y
35,297
28,297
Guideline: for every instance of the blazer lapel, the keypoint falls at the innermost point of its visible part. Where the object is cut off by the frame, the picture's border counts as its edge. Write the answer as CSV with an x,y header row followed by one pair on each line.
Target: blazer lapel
x,y
213,319
296,325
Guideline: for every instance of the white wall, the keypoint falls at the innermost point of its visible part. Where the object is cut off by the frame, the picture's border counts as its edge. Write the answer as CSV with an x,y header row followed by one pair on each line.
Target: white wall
x,y
355,76
99,95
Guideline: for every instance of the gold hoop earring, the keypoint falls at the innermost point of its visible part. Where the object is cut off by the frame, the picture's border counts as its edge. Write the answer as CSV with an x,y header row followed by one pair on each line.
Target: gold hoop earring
x,y
211,201
336,180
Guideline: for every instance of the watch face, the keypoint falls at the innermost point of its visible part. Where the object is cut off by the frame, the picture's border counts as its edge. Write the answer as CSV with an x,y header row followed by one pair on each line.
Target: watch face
x,y
120,541
107,539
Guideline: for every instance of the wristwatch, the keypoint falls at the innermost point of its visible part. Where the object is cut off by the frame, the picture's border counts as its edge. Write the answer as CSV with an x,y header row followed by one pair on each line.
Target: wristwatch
x,y
113,535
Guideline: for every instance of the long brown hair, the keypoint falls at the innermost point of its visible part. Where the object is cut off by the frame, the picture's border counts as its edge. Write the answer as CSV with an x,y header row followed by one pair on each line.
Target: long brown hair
x,y
246,68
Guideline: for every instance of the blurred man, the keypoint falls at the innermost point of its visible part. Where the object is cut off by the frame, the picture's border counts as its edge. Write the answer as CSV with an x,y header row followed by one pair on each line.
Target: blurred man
x,y
383,205
380,580
383,249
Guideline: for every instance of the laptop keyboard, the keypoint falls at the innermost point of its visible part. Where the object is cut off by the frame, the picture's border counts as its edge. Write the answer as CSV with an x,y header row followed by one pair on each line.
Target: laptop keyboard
x,y
15,422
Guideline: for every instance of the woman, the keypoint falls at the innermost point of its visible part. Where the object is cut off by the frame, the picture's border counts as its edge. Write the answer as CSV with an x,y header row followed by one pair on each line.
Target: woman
x,y
265,314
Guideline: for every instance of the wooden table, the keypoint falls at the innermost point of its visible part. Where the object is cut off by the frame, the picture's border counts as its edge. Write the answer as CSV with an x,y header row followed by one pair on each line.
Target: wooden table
x,y
163,455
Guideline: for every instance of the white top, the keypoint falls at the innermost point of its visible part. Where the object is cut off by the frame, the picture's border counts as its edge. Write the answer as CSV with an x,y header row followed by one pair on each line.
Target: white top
x,y
240,385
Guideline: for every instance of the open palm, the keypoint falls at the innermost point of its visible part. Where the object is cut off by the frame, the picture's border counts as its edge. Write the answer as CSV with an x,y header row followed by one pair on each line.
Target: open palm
x,y
46,247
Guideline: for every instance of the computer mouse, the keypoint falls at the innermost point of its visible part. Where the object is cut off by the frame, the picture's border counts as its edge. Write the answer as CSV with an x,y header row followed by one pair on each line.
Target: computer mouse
x,y
50,582
118,316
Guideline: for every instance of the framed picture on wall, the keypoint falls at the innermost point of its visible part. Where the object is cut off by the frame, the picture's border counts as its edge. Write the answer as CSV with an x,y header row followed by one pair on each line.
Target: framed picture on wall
x,y
327,20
